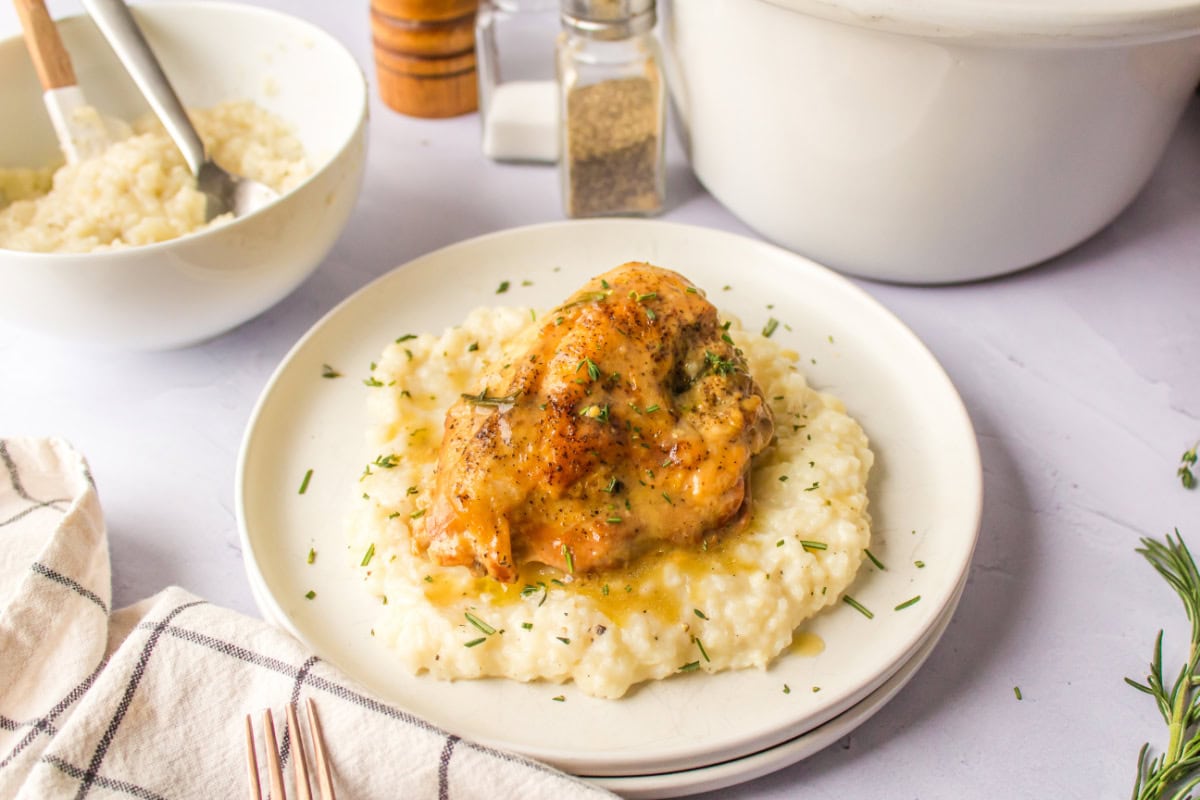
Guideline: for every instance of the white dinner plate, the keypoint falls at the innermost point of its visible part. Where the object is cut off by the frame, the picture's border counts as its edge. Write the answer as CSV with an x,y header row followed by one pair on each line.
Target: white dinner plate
x,y
925,494
738,770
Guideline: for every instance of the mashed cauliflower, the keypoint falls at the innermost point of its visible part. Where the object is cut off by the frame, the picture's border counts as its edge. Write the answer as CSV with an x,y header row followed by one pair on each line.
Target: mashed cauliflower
x,y
735,605
140,191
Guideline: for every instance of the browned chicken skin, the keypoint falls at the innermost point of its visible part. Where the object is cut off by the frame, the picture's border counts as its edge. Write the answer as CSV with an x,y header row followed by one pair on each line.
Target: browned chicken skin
x,y
627,424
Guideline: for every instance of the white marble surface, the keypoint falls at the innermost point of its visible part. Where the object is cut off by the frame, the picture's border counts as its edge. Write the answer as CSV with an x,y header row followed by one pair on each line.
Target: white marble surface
x,y
1081,376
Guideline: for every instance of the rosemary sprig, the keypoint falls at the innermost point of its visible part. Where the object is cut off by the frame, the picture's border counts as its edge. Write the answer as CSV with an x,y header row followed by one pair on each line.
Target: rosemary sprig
x,y
1173,774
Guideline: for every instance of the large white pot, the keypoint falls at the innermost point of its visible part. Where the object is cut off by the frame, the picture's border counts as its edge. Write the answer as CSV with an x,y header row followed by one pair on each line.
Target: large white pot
x,y
929,141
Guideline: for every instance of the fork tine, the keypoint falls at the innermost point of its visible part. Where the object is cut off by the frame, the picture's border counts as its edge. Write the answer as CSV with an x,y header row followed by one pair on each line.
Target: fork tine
x,y
324,780
303,789
273,769
252,761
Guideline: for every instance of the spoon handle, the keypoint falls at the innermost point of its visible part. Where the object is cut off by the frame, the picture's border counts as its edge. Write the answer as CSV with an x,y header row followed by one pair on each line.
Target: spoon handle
x,y
118,26
50,58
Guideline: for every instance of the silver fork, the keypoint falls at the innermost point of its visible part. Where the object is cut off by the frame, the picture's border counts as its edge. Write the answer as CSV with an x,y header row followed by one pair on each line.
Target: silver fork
x,y
223,191
299,759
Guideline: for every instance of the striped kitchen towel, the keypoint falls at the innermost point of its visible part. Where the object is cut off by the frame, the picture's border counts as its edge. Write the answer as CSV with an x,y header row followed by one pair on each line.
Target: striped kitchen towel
x,y
149,701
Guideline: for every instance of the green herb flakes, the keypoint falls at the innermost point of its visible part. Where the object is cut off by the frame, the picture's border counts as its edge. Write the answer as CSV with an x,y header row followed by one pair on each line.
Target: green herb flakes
x,y
1017,693
878,564
475,642
310,594
329,372
1186,462
312,556
368,555
304,483
483,627
503,287
808,544
691,666
770,327
909,602
857,606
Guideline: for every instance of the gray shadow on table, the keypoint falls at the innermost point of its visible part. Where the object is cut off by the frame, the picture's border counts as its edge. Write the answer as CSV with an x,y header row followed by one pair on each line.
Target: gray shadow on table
x,y
987,621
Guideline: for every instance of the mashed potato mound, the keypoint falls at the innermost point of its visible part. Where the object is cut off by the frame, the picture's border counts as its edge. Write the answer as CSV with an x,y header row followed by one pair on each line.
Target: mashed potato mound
x,y
140,191
735,605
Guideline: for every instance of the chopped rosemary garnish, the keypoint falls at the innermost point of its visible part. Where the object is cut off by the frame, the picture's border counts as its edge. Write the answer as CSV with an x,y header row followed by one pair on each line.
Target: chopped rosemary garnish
x,y
405,337
874,560
667,497
486,629
653,408
910,601
770,327
919,564
529,591
1186,462
558,698
815,485
808,544
857,606
779,543
503,287
387,462
368,556
372,382
304,483
613,485
329,372
420,512
700,645
310,594
527,626
699,613
787,689
563,639
719,366
411,490
312,556
613,520
569,557
483,399
1017,692
650,315
475,642
472,347
593,370
691,666
691,290
783,478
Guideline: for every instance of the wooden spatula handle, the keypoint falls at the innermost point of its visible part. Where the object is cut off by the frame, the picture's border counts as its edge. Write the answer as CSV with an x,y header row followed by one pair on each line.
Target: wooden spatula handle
x,y
50,58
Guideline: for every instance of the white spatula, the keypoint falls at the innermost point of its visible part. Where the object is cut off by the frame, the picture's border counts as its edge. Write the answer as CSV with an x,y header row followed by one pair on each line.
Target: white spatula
x,y
82,132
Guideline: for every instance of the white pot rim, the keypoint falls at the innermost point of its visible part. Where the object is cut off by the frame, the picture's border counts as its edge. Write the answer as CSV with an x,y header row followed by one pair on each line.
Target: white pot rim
x,y
1046,22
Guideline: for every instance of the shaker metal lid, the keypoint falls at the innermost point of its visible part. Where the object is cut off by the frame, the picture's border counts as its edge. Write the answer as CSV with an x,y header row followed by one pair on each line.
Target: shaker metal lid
x,y
605,19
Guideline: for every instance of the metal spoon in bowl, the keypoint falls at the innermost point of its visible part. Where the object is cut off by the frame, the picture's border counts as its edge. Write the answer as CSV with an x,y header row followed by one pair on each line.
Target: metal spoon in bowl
x,y
224,191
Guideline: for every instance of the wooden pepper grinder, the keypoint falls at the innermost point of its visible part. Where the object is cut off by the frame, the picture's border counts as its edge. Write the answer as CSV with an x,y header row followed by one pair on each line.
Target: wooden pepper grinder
x,y
425,55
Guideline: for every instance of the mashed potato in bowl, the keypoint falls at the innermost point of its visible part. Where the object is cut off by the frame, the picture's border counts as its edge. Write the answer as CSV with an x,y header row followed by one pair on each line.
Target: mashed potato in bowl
x,y
140,191
733,602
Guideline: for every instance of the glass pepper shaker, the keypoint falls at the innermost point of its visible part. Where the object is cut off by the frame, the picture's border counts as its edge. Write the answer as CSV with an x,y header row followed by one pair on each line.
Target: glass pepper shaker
x,y
518,93
612,107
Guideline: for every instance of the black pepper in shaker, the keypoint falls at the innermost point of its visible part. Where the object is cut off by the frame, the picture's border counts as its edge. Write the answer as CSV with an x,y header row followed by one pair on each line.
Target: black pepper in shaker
x,y
612,109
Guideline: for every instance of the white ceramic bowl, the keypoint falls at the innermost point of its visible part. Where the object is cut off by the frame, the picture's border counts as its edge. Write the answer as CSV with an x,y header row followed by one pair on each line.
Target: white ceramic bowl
x,y
182,291
929,141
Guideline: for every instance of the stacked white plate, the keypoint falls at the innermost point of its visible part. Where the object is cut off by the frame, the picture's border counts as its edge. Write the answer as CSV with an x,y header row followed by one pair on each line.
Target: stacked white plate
x,y
692,732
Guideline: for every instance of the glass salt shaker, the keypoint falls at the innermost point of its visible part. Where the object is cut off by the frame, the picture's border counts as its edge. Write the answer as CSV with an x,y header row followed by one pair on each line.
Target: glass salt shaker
x,y
518,92
612,107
